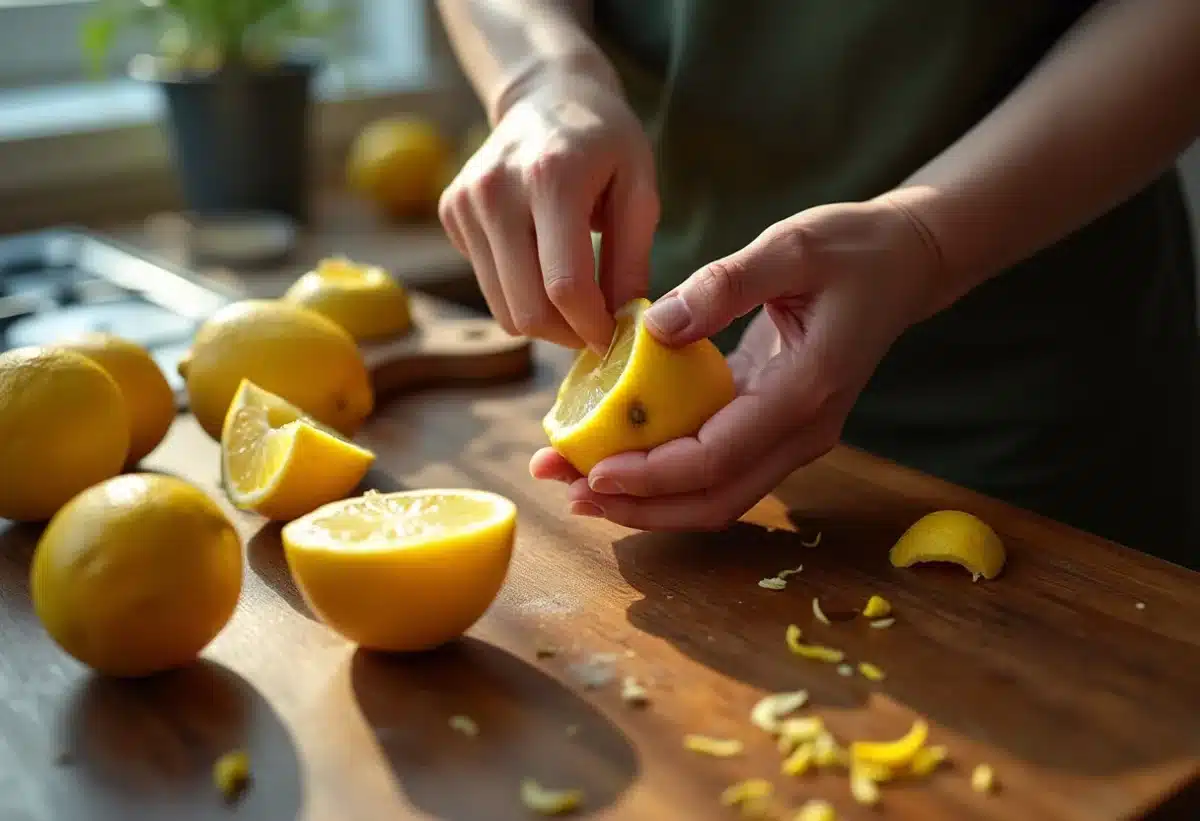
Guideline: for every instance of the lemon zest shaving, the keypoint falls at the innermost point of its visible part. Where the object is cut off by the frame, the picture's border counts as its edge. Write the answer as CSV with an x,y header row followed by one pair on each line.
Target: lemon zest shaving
x,y
794,731
231,773
863,789
799,760
983,778
845,670
818,612
892,753
877,608
816,541
465,725
549,802
870,672
881,624
816,809
766,714
827,752
716,747
752,789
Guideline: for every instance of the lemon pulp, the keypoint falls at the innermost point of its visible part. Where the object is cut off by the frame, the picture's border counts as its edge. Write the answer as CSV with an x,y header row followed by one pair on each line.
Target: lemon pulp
x,y
280,463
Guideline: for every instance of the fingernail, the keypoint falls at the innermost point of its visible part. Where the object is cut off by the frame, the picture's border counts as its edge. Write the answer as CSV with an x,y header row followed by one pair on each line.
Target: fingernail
x,y
605,485
669,315
586,509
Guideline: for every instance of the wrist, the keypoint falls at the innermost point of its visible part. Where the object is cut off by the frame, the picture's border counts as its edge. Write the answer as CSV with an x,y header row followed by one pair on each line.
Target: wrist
x,y
580,68
944,285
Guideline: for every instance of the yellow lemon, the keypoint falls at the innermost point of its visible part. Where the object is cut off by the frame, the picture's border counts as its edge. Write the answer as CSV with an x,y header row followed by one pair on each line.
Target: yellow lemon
x,y
290,351
403,571
137,574
400,164
63,427
951,536
365,300
280,464
638,395
148,397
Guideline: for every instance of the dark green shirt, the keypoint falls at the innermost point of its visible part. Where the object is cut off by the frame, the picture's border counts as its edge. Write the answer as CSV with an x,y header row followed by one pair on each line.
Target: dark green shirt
x,y
1067,385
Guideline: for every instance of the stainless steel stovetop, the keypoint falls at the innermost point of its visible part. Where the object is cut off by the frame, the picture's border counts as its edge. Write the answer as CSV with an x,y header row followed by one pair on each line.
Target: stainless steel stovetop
x,y
61,282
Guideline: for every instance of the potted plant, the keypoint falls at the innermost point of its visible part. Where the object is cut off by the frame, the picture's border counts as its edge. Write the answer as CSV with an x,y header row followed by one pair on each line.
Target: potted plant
x,y
237,79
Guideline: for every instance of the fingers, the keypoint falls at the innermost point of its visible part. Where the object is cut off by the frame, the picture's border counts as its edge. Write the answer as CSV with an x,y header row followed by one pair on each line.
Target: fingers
x,y
631,212
724,290
562,204
549,464
501,205
462,227
707,509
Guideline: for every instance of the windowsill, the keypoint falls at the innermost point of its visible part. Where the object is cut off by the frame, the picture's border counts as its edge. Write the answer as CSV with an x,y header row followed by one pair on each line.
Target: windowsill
x,y
88,132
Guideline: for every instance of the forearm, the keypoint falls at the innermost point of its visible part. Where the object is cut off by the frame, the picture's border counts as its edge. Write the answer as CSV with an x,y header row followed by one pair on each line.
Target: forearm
x,y
504,46
1108,110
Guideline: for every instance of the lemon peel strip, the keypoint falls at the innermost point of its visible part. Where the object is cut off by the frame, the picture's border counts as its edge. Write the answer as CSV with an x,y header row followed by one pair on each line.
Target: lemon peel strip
x,y
798,761
863,788
892,753
768,711
773,583
715,747
743,792
883,624
815,652
549,802
870,672
816,541
816,809
983,778
877,607
818,612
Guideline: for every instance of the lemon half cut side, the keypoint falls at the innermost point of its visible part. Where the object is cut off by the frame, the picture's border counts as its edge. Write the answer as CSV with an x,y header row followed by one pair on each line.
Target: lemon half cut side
x,y
280,463
636,396
403,571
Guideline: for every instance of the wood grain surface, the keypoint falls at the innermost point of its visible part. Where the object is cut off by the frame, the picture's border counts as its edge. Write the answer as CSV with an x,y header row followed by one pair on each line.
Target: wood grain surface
x,y
1087,705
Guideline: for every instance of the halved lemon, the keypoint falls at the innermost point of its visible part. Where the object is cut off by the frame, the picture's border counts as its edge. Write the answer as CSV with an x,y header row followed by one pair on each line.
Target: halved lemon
x,y
638,395
951,536
281,464
403,571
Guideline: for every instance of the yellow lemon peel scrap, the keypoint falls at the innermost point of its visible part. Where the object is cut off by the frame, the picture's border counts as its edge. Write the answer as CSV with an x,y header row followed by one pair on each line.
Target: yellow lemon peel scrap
x,y
951,536
633,693
928,759
794,731
882,624
773,583
750,790
983,778
870,672
818,613
892,753
715,747
465,725
816,809
877,608
878,773
815,652
863,789
768,711
816,541
549,802
827,752
231,773
799,760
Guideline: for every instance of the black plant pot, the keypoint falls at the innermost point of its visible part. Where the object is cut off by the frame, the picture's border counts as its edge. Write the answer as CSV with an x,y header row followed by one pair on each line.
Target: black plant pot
x,y
240,138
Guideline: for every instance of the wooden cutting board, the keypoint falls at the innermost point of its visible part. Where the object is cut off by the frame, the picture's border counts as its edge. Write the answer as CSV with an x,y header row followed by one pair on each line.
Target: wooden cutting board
x,y
1086,704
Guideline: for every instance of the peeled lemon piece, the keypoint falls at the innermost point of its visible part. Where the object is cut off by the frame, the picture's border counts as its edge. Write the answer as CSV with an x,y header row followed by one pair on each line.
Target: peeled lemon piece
x,y
896,753
364,299
281,464
403,571
638,395
951,536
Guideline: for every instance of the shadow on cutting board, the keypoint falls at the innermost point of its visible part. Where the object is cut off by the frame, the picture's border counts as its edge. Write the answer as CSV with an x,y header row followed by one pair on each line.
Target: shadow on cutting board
x,y
145,749
1010,663
524,719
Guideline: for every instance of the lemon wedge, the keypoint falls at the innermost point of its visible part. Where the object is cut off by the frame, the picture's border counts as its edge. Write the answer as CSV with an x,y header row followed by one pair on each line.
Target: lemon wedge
x,y
403,571
951,536
638,395
281,464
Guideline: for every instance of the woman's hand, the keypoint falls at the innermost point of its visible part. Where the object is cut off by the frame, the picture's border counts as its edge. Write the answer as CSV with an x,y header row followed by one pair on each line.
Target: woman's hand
x,y
566,157
840,283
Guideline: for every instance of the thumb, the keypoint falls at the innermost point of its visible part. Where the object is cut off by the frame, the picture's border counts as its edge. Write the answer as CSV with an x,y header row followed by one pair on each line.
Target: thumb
x,y
720,292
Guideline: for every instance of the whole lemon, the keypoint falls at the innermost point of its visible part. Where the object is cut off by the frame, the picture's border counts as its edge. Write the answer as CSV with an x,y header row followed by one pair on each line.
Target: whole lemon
x,y
292,352
137,574
401,165
148,397
363,299
63,427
